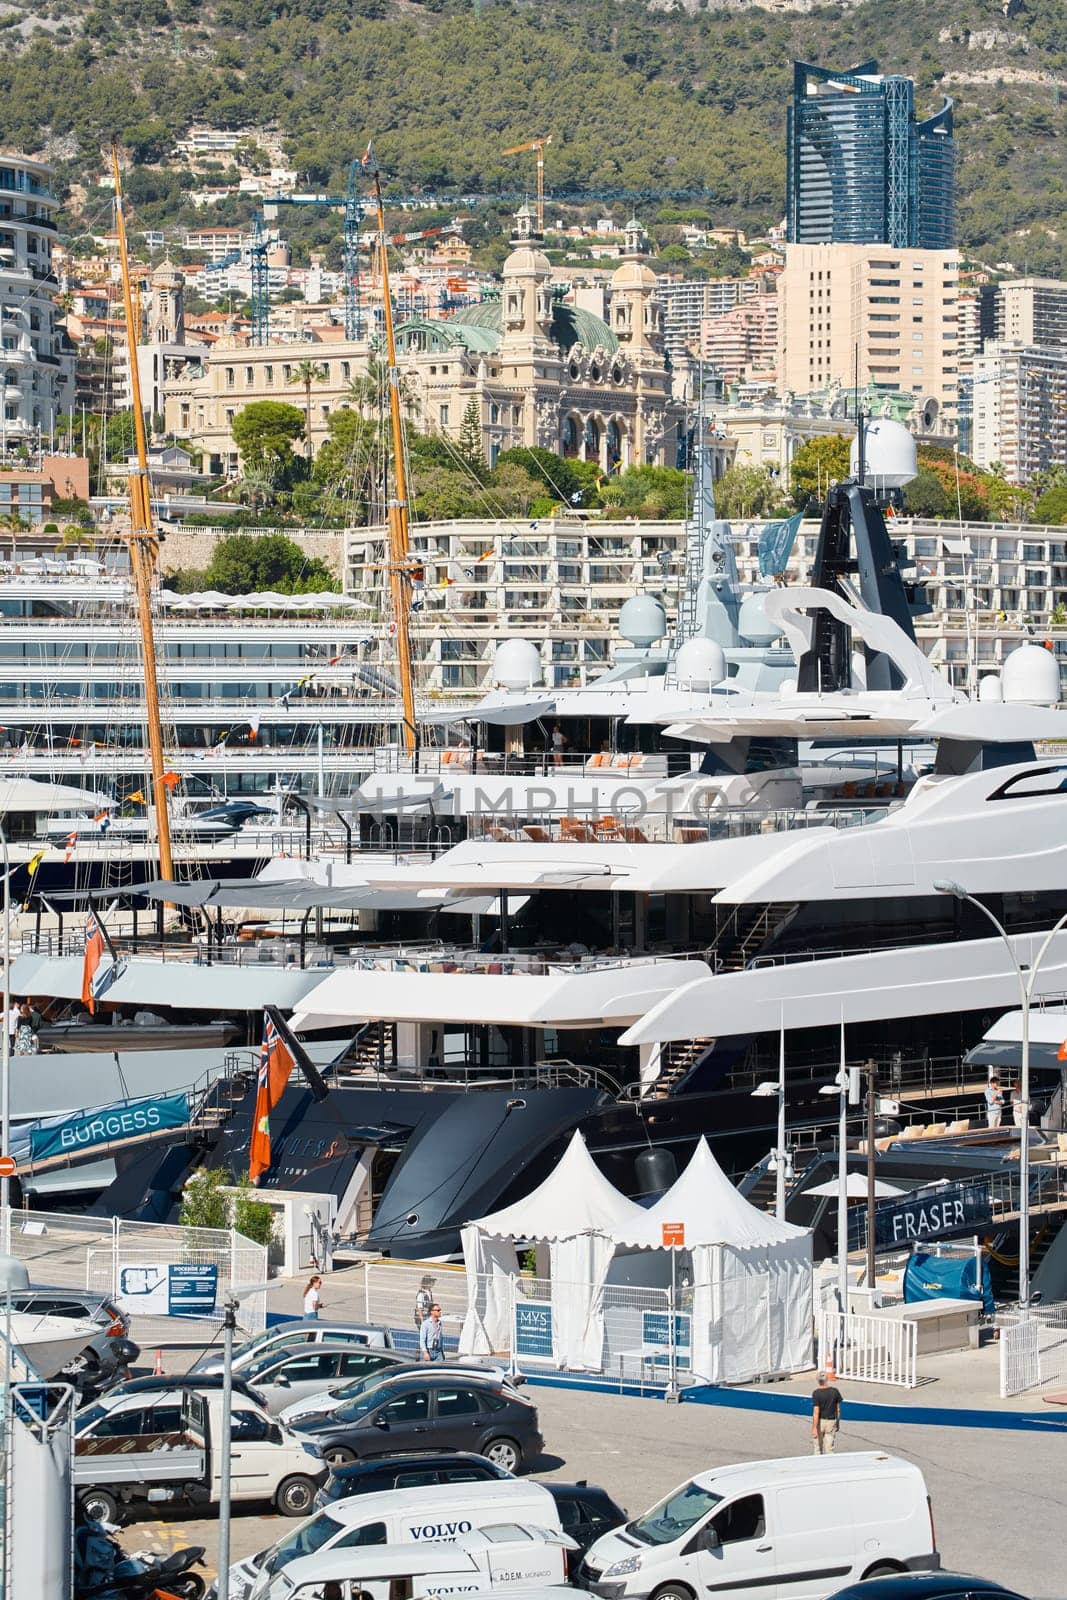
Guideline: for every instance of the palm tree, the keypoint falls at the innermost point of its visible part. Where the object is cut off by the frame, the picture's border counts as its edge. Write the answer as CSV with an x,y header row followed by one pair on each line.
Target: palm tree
x,y
257,487
307,373
370,391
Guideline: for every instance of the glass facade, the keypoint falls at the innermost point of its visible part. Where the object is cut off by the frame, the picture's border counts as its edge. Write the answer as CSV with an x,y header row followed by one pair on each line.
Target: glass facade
x,y
861,169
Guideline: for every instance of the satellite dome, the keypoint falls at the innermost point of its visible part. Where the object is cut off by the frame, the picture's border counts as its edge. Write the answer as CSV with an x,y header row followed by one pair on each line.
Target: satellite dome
x,y
990,687
699,664
753,623
888,454
14,1274
1031,676
517,664
642,619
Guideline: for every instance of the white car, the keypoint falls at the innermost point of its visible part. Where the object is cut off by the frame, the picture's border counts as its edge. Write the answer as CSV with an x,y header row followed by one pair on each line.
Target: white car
x,y
300,1330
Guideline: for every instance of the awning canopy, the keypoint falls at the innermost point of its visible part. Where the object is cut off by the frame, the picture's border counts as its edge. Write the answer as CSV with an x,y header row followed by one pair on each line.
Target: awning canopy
x,y
713,1212
574,1199
1002,1045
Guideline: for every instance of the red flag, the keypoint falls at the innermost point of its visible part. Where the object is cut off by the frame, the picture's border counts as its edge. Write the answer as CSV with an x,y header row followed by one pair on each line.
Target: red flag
x,y
1061,1053
94,950
72,839
275,1065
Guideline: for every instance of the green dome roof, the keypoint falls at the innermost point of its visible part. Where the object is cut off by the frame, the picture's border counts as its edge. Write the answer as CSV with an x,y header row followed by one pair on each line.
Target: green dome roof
x,y
571,325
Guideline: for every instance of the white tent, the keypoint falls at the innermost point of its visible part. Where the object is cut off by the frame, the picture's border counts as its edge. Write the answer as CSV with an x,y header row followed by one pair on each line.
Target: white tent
x,y
751,1276
582,1218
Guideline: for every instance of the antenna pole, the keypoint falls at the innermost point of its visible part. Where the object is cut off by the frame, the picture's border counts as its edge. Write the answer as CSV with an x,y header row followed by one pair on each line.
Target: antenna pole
x,y
144,546
399,568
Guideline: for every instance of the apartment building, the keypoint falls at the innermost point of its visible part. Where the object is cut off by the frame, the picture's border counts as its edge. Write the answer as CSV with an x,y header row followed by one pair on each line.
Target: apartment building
x,y
1031,311
742,345
868,314
38,367
1019,407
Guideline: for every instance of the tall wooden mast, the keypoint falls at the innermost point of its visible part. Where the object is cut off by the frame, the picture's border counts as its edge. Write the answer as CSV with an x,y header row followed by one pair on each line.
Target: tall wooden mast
x,y
399,555
144,547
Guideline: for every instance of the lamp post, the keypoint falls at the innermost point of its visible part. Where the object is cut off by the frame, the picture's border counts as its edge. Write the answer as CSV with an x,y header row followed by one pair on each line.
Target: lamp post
x,y
5,1055
1027,975
781,1163
841,1088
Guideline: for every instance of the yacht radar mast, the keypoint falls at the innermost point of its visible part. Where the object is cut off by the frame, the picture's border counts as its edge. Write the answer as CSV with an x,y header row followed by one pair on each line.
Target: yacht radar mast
x,y
144,548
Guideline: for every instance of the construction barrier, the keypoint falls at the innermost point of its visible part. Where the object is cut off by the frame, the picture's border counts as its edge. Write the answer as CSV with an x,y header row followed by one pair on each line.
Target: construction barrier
x,y
868,1349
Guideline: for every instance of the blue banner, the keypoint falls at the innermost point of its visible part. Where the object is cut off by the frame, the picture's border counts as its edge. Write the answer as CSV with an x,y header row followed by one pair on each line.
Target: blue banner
x,y
955,1208
533,1330
130,1119
776,545
192,1290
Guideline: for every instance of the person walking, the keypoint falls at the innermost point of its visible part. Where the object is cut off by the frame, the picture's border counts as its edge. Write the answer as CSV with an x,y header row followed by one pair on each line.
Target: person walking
x,y
423,1302
313,1297
994,1103
432,1336
826,1403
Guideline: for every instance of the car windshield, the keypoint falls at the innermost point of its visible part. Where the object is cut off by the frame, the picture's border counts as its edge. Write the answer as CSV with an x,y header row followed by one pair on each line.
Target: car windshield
x,y
263,1363
354,1409
349,1393
674,1517
91,1414
303,1541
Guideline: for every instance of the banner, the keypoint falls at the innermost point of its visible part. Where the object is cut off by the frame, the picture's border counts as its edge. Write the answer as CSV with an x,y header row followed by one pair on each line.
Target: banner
x,y
533,1329
956,1208
168,1288
107,1124
776,545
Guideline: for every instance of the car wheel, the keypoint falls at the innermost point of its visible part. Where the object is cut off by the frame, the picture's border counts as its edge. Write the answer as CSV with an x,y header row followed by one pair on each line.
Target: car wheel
x,y
884,1569
673,1591
294,1497
338,1455
504,1453
100,1506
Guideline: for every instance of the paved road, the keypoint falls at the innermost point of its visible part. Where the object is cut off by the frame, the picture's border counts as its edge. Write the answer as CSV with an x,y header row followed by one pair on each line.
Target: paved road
x,y
1000,1498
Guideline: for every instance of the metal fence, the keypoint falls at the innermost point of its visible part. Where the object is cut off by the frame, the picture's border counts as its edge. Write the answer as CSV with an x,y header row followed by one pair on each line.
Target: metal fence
x,y
93,1253
868,1349
1033,1347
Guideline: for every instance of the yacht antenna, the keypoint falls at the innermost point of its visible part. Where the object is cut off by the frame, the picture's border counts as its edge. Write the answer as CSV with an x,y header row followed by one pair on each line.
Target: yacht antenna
x,y
144,547
399,554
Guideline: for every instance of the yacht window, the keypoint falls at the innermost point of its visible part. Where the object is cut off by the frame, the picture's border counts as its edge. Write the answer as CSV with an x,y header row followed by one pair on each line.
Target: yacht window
x,y
1047,780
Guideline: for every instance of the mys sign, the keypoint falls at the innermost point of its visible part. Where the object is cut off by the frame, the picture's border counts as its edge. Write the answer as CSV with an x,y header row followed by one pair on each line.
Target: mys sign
x,y
955,1208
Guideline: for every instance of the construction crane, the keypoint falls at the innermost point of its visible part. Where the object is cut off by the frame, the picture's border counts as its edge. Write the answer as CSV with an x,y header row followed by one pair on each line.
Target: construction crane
x,y
352,208
539,146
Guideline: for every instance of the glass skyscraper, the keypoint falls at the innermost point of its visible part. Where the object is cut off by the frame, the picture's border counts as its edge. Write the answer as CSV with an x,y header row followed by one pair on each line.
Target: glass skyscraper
x,y
861,168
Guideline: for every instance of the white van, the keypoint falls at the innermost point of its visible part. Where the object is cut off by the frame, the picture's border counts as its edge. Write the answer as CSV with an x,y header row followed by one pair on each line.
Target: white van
x,y
525,1559
437,1513
809,1524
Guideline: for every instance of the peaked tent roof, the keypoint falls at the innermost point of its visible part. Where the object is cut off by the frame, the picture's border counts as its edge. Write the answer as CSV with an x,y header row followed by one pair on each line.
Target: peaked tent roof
x,y
575,1198
713,1211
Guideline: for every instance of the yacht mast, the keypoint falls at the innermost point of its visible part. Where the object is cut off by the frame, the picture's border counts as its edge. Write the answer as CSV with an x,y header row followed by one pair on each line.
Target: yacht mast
x,y
399,555
144,547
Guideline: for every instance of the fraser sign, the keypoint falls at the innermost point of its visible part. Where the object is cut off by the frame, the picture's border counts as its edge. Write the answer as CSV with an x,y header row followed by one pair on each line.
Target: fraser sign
x,y
956,1208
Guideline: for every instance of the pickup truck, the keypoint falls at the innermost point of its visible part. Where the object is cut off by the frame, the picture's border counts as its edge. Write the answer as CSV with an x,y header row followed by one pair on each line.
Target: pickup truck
x,y
116,1466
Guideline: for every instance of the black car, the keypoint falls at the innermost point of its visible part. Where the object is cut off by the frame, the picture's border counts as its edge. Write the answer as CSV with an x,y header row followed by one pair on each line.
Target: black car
x,y
407,1472
585,1512
198,1381
433,1411
926,1586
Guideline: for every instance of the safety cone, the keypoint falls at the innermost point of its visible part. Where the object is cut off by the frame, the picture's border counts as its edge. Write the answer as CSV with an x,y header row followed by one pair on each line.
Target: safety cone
x,y
828,1368
158,1373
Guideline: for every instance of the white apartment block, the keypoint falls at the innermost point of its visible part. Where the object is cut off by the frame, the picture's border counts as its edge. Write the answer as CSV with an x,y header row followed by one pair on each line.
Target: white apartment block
x,y
1020,409
38,373
1031,311
562,581
884,317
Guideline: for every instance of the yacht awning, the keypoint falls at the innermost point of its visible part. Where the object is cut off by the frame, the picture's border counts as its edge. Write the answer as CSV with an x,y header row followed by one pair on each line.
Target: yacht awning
x,y
573,997
26,794
1003,1042
218,989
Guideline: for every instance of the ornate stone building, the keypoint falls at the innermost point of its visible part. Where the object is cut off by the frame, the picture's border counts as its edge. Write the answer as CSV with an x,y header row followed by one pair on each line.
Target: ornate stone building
x,y
540,371
543,372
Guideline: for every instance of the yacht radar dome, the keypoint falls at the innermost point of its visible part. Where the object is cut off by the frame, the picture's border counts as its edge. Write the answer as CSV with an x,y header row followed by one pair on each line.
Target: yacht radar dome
x,y
889,458
990,687
1031,676
753,623
517,664
700,664
642,620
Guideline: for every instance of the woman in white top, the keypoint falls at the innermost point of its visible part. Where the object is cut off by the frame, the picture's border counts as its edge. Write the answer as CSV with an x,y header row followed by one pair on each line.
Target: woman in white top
x,y
312,1297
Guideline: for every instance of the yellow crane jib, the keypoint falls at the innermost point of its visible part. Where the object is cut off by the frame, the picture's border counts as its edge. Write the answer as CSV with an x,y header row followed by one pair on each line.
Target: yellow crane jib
x,y
539,146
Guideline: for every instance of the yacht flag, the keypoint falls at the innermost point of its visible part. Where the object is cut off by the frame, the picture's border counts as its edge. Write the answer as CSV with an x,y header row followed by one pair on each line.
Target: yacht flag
x,y
275,1065
95,945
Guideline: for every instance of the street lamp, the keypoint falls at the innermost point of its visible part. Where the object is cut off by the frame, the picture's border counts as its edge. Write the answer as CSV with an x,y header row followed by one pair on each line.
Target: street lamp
x,y
1027,975
5,1056
781,1162
840,1087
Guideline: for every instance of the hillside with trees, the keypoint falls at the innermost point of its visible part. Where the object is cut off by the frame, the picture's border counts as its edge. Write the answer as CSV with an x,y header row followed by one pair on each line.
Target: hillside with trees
x,y
682,103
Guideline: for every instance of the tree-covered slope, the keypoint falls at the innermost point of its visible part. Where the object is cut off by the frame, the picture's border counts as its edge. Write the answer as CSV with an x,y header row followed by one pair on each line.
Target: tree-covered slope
x,y
636,99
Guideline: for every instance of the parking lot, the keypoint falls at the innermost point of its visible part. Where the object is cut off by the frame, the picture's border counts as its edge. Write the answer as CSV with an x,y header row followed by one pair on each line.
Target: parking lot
x,y
999,1498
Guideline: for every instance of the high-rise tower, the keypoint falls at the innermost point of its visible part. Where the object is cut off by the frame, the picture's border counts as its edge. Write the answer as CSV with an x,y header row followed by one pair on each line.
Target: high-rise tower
x,y
861,168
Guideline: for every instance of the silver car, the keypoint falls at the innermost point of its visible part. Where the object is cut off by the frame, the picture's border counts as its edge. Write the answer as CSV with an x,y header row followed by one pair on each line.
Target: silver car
x,y
284,1377
299,1331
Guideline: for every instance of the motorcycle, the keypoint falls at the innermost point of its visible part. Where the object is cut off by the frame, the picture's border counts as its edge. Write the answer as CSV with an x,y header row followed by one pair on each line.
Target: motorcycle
x,y
103,1570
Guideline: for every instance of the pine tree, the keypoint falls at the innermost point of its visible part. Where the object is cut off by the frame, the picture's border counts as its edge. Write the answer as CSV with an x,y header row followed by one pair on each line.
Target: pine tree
x,y
469,443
